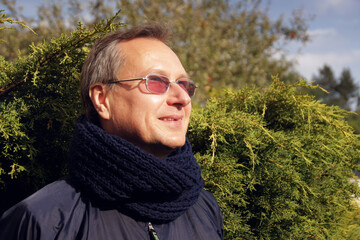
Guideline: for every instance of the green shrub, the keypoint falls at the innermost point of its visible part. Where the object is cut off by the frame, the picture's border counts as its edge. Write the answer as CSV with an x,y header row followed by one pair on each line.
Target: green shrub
x,y
39,103
279,163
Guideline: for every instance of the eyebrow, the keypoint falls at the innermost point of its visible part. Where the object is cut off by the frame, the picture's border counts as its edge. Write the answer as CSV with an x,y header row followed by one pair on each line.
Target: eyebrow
x,y
162,72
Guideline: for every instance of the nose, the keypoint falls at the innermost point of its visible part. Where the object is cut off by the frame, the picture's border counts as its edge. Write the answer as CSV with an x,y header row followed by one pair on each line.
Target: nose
x,y
177,95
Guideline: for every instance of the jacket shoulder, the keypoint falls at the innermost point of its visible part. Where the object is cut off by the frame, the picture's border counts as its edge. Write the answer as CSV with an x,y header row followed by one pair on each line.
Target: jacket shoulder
x,y
209,213
209,203
41,214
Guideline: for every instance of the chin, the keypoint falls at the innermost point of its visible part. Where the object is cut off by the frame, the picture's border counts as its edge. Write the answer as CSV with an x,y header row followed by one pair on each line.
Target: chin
x,y
164,147
175,142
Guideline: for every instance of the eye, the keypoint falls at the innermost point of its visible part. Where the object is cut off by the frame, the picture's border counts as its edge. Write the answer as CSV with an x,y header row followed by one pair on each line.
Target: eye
x,y
188,85
184,83
157,83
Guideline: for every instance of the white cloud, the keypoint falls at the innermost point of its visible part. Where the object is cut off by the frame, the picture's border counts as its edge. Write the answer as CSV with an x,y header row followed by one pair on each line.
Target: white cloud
x,y
330,40
325,32
337,6
333,35
308,64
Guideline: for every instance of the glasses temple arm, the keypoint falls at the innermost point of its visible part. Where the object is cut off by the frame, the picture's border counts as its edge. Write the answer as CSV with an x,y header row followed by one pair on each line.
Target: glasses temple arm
x,y
127,80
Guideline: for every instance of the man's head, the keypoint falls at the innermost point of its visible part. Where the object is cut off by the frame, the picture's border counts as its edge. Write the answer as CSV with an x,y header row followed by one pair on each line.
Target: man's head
x,y
155,122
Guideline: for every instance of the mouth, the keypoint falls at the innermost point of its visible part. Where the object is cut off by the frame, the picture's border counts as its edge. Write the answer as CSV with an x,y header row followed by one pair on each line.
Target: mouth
x,y
170,119
176,119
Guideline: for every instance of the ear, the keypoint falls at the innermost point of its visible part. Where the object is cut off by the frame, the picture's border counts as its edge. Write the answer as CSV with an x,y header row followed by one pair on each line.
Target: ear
x,y
99,95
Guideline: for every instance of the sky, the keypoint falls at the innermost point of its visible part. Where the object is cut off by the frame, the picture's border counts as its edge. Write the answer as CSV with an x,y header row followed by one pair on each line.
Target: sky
x,y
334,32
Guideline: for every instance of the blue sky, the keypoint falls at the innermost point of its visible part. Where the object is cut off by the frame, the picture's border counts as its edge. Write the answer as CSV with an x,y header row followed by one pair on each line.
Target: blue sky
x,y
334,33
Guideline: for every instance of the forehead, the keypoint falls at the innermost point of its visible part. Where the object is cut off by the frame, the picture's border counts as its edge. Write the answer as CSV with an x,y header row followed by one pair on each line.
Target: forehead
x,y
146,44
149,55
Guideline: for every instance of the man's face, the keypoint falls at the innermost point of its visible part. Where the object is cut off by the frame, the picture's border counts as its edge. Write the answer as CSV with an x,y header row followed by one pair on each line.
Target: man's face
x,y
157,123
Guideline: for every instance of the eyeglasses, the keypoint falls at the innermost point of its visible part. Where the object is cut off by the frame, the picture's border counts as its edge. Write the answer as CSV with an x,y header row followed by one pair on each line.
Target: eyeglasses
x,y
159,84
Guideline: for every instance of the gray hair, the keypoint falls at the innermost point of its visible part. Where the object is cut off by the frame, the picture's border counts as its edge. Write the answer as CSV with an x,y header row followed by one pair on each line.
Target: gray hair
x,y
105,59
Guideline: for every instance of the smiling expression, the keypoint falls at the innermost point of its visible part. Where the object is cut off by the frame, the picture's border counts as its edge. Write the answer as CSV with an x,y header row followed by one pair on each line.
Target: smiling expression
x,y
157,123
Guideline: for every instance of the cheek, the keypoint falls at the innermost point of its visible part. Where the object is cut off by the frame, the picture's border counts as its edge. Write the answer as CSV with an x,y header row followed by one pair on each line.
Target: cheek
x,y
146,110
150,105
188,111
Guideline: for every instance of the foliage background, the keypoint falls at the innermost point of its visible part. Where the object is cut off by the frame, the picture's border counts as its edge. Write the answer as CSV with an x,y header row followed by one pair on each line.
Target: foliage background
x,y
275,181
231,44
279,163
39,105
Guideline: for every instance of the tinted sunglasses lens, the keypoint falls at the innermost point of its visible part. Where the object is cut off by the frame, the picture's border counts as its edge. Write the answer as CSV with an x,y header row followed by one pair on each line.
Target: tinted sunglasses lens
x,y
188,85
157,84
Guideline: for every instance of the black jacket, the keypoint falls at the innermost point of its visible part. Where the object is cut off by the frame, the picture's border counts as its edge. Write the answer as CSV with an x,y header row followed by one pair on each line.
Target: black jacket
x,y
58,211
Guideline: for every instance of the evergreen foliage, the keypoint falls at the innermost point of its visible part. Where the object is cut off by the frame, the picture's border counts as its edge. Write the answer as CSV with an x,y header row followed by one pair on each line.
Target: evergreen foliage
x,y
39,102
279,163
233,43
4,19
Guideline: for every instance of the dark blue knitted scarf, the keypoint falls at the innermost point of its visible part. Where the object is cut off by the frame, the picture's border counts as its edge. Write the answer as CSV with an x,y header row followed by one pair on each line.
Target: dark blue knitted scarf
x,y
115,172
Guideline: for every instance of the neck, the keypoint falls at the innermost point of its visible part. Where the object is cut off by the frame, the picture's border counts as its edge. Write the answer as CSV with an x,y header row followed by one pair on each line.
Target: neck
x,y
158,150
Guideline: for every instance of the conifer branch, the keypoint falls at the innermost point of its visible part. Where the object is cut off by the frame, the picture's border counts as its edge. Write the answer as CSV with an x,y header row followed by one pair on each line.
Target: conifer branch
x,y
104,28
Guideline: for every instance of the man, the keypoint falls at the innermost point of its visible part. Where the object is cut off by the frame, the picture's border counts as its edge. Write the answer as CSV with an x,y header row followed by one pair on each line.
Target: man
x,y
132,174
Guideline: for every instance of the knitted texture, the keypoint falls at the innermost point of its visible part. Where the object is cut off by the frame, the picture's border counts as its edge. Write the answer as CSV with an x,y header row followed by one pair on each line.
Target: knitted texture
x,y
119,174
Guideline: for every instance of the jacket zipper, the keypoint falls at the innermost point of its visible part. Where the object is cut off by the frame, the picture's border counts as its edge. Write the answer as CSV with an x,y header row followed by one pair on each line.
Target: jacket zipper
x,y
152,232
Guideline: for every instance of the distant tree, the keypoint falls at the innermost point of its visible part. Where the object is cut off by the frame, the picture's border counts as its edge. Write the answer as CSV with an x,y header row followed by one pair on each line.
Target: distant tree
x,y
220,42
278,162
348,90
326,80
342,91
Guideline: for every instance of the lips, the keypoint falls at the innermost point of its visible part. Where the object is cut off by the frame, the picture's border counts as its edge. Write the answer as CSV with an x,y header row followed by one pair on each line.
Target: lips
x,y
171,118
